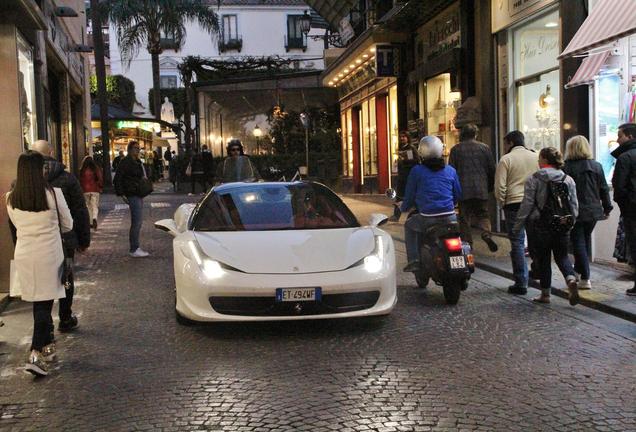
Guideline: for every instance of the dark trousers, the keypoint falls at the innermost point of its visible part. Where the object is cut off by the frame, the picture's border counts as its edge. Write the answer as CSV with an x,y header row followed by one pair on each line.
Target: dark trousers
x,y
547,244
473,213
42,324
67,302
199,178
629,225
581,237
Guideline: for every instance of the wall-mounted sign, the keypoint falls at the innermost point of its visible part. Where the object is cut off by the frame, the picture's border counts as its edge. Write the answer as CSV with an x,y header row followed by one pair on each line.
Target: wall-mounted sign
x,y
387,60
505,13
439,35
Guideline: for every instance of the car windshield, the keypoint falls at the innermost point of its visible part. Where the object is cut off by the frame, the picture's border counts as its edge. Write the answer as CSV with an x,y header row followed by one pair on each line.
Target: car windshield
x,y
267,206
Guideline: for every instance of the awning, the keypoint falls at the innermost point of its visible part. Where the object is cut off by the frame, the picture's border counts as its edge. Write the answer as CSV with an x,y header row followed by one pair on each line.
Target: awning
x,y
588,70
609,20
332,10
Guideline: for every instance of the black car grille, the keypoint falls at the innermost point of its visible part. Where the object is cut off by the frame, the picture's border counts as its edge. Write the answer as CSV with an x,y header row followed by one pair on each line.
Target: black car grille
x,y
268,306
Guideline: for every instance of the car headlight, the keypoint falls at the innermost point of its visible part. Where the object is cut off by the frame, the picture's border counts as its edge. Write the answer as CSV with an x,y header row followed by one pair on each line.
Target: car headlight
x,y
210,268
373,263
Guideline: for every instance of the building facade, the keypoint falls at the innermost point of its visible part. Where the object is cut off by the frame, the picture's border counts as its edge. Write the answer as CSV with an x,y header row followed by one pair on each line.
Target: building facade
x,y
44,89
251,28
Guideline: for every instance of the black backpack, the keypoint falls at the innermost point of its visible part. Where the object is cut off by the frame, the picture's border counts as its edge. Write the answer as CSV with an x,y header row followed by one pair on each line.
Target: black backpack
x,y
556,214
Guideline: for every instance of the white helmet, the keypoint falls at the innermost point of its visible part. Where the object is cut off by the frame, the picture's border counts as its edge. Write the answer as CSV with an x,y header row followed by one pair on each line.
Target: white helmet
x,y
430,147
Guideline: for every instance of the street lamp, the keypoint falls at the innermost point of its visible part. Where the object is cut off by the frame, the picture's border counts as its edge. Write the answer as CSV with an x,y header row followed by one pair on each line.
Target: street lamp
x,y
257,134
305,23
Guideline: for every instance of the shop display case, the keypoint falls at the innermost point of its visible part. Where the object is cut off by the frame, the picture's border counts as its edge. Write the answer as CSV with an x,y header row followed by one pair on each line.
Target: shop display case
x,y
441,109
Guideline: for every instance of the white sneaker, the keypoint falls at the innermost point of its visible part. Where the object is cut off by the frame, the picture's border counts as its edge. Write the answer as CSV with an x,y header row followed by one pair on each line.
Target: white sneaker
x,y
139,253
585,284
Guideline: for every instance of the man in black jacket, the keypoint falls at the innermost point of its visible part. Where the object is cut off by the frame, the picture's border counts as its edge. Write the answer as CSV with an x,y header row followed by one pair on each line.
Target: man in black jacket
x,y
128,182
624,183
79,238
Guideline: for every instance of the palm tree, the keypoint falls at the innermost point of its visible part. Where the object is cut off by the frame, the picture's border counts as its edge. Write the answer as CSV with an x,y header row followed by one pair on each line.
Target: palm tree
x,y
143,22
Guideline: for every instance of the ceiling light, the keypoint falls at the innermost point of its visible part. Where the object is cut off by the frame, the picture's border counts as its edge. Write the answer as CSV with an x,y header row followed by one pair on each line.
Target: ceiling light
x,y
346,70
372,50
365,55
551,24
359,61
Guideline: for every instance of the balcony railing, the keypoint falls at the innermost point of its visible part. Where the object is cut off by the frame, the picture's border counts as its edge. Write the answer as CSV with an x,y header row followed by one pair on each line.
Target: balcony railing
x,y
234,44
295,43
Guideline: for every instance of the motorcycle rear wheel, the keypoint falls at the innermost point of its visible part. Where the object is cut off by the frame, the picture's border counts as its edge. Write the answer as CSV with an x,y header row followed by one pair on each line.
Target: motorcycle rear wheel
x,y
452,291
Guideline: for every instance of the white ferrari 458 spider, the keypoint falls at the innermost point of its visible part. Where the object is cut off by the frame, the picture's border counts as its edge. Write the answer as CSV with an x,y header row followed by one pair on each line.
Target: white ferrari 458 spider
x,y
278,251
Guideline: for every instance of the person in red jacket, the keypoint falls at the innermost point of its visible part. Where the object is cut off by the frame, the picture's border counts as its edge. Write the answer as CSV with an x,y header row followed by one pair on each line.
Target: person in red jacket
x,y
92,183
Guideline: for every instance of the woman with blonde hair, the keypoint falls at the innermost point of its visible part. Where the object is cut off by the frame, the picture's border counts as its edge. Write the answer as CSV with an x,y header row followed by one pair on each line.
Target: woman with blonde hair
x,y
594,202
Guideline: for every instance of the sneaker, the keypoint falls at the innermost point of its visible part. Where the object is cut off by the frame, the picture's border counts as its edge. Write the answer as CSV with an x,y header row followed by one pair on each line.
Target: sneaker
x,y
517,290
413,266
492,246
68,325
139,253
585,284
573,288
631,291
49,352
36,365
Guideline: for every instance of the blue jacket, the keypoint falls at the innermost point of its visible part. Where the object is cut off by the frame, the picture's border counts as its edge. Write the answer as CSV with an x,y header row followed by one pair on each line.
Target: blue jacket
x,y
432,192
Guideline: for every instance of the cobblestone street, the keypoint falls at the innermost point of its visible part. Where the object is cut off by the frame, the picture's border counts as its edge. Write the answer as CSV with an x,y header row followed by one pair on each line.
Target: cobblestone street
x,y
493,362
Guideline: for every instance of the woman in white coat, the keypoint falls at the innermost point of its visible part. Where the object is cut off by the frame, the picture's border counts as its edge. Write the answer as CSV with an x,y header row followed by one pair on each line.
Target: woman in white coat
x,y
33,208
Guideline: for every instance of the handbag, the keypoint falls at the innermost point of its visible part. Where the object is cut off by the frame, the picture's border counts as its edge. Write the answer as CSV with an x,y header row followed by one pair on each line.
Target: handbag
x,y
144,188
66,268
188,171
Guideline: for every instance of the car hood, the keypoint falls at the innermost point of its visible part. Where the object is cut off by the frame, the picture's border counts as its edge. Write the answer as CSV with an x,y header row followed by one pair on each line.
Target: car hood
x,y
297,251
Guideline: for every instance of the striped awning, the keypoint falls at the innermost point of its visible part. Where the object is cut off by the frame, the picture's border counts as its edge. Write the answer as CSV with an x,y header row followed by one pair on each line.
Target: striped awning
x,y
588,70
609,20
332,10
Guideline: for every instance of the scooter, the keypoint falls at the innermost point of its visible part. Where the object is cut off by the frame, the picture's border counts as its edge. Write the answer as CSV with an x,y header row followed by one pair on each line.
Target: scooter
x,y
443,257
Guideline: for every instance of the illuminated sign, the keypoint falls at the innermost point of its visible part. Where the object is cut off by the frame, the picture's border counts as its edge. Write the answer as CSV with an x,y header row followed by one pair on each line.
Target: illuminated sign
x,y
125,124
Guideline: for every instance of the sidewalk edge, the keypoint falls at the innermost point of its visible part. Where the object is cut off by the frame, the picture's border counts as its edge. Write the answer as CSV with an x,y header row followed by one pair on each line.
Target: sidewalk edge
x,y
611,310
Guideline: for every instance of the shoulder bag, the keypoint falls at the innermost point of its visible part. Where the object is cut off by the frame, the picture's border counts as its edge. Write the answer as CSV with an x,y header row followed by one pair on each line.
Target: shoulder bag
x,y
66,269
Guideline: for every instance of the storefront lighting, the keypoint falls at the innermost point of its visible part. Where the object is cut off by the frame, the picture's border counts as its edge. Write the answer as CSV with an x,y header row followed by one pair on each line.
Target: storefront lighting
x,y
359,61
346,70
551,24
365,55
372,50
330,82
352,65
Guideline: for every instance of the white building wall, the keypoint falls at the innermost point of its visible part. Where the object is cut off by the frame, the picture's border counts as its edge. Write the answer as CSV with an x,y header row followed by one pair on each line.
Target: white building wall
x,y
262,28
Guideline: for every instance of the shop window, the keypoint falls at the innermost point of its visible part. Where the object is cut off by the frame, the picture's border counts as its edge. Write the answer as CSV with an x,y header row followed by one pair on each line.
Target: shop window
x,y
608,118
394,133
441,108
168,81
536,81
26,83
369,138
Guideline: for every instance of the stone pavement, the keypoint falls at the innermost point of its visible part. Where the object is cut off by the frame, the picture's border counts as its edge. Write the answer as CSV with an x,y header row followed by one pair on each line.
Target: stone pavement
x,y
608,282
493,362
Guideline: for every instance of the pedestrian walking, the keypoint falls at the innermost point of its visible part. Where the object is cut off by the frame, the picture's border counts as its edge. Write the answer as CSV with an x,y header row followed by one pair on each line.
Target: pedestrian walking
x,y
513,170
197,172
40,214
550,206
475,167
208,164
92,183
624,183
173,171
77,239
132,184
168,155
594,200
117,160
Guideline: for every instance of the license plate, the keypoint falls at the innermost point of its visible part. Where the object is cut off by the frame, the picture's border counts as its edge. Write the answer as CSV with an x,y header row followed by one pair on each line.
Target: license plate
x,y
297,294
457,262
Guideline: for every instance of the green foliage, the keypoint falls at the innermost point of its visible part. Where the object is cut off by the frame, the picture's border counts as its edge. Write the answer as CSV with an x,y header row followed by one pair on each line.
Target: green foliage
x,y
210,70
288,133
119,90
176,95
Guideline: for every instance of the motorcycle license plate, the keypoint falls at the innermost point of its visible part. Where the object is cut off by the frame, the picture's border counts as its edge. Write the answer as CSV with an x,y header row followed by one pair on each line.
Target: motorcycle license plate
x,y
457,262
297,294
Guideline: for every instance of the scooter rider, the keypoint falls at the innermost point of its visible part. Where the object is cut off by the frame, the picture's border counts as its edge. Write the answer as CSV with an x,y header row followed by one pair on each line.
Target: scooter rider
x,y
433,188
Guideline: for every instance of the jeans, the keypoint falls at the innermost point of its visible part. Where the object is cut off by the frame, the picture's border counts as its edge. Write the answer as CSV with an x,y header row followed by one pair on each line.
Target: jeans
x,y
581,236
547,244
517,249
417,224
629,225
42,324
136,205
473,213
65,311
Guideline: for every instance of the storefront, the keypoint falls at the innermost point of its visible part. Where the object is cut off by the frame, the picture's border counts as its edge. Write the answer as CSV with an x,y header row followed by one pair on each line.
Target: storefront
x,y
366,80
609,73
528,38
436,81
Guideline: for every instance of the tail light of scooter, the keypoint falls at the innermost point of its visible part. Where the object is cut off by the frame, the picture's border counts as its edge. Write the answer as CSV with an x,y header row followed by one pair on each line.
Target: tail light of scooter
x,y
453,244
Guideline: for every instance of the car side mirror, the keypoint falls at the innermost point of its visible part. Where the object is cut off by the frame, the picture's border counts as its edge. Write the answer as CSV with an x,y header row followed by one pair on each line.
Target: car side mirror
x,y
167,225
378,219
